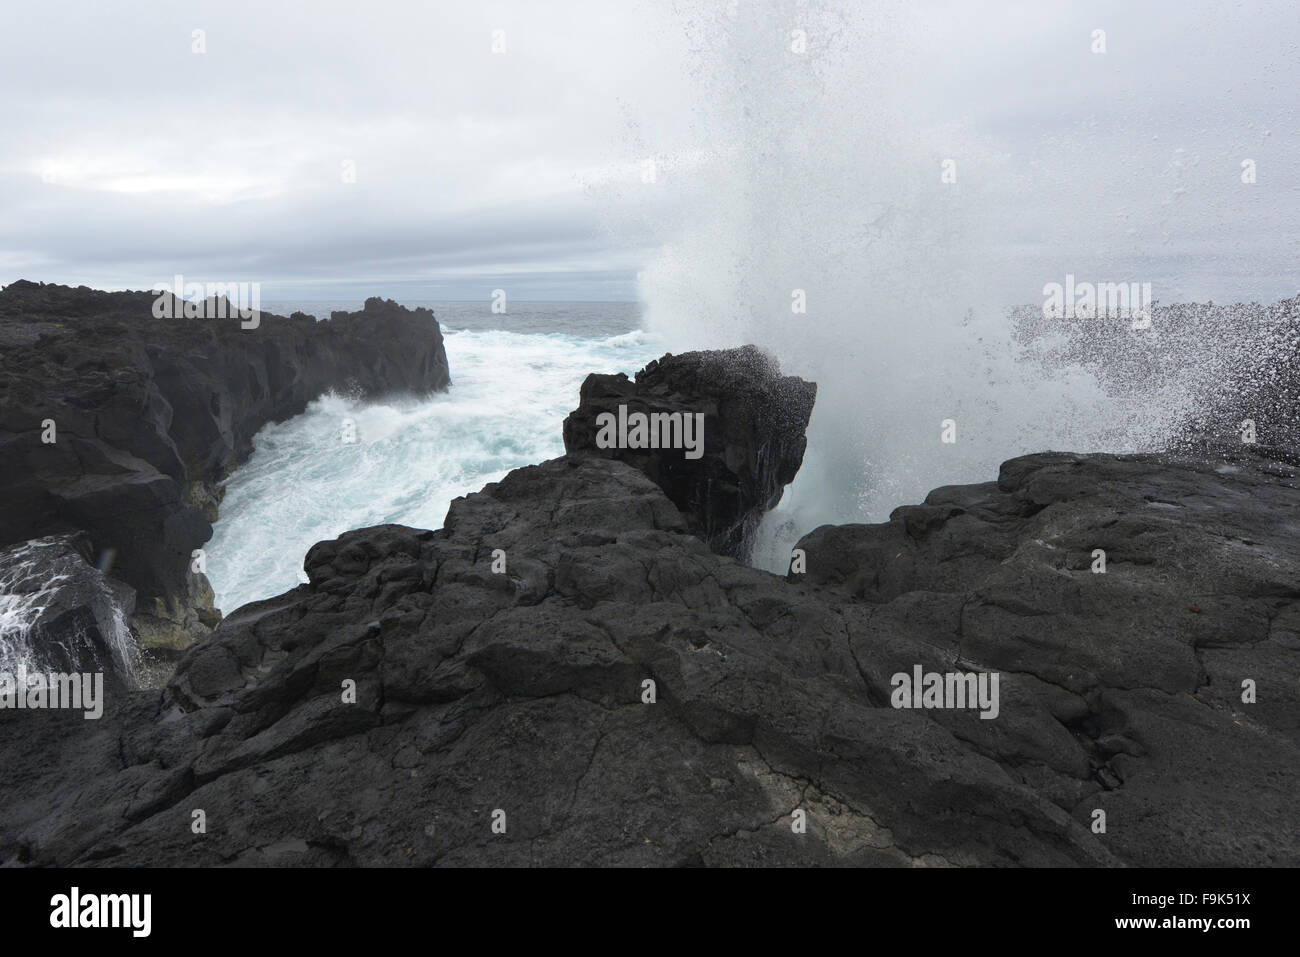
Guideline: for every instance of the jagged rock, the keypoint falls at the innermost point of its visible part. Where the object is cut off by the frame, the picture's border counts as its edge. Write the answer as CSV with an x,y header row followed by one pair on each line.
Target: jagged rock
x,y
59,613
150,415
523,692
755,422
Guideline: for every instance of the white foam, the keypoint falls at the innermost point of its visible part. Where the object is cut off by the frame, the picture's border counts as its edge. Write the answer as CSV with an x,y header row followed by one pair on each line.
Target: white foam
x,y
510,393
821,179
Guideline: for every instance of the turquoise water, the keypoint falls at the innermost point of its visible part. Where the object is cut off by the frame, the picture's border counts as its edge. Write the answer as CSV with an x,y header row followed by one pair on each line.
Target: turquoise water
x,y
514,379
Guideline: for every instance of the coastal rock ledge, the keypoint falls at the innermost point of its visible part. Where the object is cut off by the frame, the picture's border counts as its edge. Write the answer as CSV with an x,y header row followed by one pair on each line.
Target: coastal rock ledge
x,y
567,674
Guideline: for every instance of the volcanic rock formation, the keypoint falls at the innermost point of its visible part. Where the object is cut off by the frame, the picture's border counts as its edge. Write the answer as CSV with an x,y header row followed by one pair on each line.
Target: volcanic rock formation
x,y
755,424
122,425
568,660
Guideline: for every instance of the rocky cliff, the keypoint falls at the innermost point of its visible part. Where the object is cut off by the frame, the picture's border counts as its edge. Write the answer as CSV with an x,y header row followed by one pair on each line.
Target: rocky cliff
x,y
121,425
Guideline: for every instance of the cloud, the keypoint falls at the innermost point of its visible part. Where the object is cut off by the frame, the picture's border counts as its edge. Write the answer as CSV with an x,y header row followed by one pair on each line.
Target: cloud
x,y
338,143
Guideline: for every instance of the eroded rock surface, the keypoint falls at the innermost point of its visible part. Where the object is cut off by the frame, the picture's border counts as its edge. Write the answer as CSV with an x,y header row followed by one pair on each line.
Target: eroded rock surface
x,y
523,691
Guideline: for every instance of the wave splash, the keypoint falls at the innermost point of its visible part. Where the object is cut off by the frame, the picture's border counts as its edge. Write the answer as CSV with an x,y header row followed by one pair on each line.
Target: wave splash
x,y
818,226
58,613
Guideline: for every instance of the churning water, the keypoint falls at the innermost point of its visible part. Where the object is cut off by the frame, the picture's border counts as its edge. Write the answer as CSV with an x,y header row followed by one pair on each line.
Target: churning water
x,y
511,389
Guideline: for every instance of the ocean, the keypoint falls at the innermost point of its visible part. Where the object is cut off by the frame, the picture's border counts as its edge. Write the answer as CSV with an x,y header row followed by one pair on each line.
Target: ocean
x,y
514,379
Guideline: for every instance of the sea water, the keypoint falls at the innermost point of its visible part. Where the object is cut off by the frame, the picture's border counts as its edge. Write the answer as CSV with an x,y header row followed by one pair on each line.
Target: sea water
x,y
514,379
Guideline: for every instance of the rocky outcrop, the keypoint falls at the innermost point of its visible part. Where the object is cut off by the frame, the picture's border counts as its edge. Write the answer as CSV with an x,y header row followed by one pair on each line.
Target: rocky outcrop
x,y
754,424
122,425
60,613
567,674
1144,613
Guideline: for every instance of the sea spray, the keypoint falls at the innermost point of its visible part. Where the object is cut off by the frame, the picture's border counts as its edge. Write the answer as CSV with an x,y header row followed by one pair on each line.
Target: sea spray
x,y
830,225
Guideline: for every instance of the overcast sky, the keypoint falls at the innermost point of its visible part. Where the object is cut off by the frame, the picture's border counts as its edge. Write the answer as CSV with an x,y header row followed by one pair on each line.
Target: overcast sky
x,y
127,157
